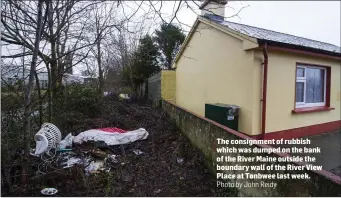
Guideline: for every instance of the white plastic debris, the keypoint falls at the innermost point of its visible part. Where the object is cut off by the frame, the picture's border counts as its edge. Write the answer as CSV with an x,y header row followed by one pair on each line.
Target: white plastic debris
x,y
69,159
106,93
113,158
41,146
111,138
124,96
49,191
91,167
47,137
72,161
157,191
137,152
32,152
179,160
35,113
67,142
94,166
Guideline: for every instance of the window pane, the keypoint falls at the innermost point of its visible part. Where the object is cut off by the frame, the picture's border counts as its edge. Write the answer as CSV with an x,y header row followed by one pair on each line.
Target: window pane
x,y
315,85
299,72
299,91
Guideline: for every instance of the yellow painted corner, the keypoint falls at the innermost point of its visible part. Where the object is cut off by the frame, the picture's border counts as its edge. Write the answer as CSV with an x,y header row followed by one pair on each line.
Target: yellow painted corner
x,y
168,85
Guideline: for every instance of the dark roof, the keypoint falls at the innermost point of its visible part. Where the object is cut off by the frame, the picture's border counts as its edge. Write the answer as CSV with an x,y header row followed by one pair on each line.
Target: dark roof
x,y
269,35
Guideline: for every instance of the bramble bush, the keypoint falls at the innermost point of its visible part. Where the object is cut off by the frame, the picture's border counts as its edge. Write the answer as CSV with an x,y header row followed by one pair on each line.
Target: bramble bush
x,y
76,104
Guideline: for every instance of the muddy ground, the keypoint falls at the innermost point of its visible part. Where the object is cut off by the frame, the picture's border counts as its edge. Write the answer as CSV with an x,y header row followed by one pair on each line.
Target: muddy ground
x,y
156,172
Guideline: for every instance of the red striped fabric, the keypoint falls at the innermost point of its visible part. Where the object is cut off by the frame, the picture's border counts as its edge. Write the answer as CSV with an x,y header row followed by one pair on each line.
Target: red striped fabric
x,y
113,130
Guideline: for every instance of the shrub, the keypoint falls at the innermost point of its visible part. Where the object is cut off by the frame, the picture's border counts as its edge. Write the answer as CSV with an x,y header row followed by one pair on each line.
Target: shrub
x,y
76,104
78,98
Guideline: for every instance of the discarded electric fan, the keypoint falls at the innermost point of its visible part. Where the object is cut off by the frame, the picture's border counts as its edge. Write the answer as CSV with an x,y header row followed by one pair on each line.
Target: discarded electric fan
x,y
47,137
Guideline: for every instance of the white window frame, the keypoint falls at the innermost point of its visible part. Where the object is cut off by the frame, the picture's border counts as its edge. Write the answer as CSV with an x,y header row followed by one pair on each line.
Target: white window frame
x,y
303,79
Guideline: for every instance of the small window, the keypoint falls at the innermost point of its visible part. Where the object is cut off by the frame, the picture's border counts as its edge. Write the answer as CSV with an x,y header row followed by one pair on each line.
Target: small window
x,y
310,86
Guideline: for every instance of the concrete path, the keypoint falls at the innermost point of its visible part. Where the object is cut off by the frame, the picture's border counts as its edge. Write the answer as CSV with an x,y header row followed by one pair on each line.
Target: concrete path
x,y
330,156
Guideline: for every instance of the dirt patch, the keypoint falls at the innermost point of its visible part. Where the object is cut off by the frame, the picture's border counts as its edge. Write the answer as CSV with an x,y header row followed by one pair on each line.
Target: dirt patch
x,y
169,165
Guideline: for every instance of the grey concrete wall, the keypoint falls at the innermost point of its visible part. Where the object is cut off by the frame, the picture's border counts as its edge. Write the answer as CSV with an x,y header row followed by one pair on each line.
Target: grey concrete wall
x,y
203,133
141,91
154,88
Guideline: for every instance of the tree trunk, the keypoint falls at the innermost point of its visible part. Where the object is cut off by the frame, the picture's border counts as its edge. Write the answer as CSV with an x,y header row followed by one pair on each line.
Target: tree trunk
x,y
54,76
28,95
100,70
53,61
49,92
23,70
39,98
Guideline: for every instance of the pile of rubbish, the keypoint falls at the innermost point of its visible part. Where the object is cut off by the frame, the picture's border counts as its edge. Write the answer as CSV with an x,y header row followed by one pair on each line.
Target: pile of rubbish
x,y
92,149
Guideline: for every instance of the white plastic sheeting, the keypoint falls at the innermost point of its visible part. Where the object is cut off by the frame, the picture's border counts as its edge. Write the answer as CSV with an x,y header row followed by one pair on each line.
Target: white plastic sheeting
x,y
111,138
66,142
72,161
94,166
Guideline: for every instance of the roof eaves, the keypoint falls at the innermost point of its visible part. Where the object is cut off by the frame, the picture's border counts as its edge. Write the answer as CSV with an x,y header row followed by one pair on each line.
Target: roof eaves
x,y
299,49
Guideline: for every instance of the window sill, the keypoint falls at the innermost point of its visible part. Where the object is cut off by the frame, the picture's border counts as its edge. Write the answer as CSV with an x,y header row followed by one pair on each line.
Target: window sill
x,y
311,109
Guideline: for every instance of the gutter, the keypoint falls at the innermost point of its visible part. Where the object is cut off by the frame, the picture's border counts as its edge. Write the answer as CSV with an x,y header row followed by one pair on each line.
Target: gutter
x,y
265,79
289,48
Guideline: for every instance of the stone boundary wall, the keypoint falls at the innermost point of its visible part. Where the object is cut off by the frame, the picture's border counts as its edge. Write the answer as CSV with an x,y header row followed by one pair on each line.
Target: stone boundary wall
x,y
203,132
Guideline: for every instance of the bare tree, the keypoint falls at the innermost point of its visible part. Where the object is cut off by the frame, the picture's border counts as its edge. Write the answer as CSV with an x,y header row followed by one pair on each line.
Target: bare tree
x,y
59,35
65,26
28,93
103,21
69,22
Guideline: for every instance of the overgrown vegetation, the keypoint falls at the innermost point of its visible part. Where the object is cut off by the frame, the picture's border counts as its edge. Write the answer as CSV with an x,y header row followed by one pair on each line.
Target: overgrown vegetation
x,y
155,173
118,50
153,54
144,63
169,39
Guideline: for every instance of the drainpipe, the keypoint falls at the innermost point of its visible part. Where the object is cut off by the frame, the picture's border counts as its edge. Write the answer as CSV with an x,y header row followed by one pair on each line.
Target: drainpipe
x,y
265,78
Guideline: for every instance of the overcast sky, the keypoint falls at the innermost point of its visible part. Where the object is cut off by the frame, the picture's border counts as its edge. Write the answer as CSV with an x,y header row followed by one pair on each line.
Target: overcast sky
x,y
318,20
